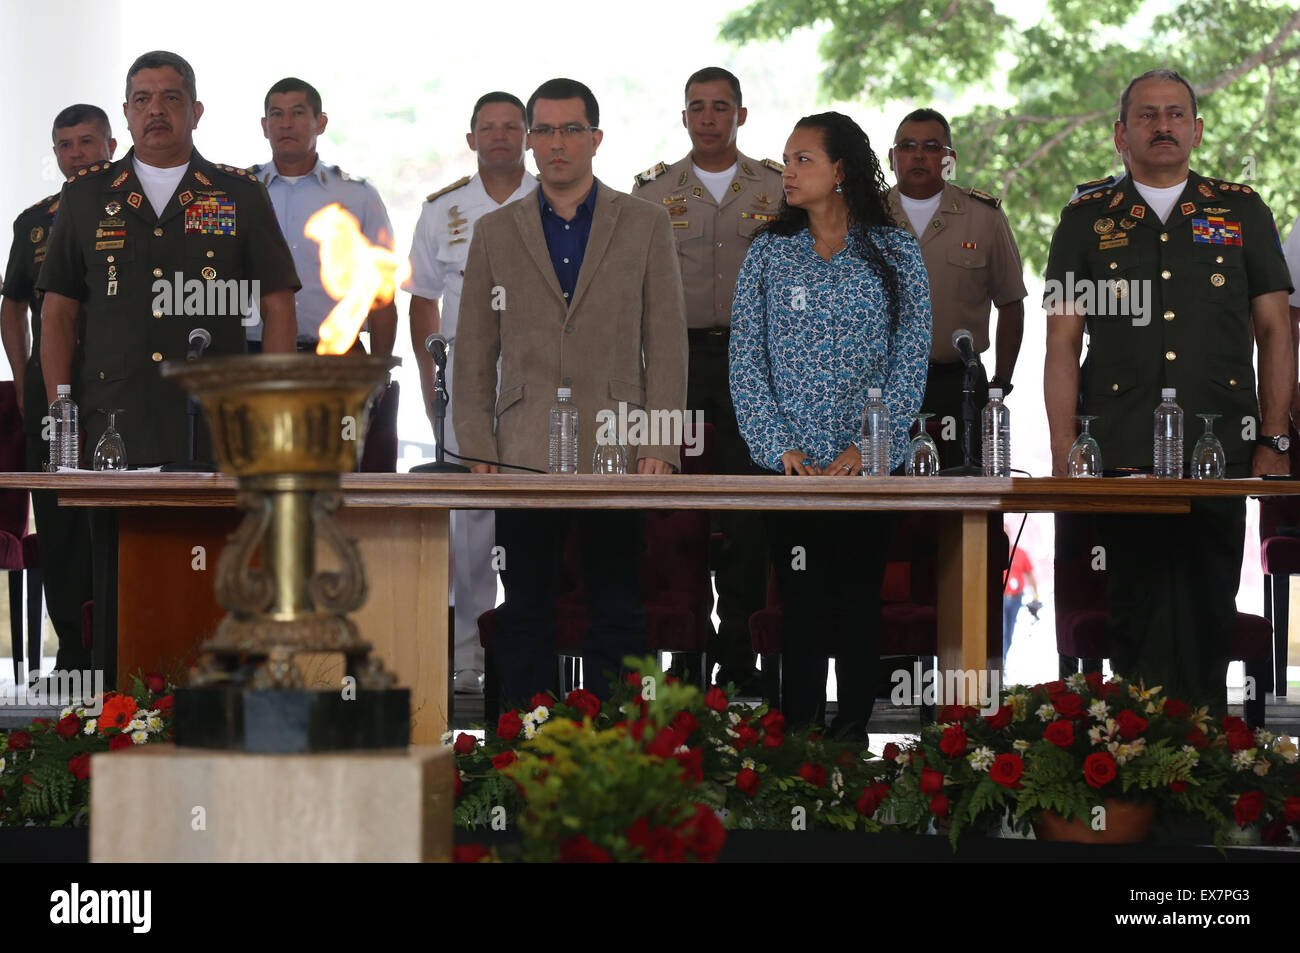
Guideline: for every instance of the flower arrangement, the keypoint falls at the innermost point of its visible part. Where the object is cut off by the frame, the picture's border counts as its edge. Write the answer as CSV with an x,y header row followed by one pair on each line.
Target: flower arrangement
x,y
45,767
1071,746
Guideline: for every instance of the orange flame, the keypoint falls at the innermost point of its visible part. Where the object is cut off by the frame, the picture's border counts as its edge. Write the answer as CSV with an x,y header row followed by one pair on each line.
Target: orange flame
x,y
358,275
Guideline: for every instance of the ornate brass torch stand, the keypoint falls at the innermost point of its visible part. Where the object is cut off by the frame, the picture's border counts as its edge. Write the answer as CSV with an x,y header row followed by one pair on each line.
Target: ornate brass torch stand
x,y
287,426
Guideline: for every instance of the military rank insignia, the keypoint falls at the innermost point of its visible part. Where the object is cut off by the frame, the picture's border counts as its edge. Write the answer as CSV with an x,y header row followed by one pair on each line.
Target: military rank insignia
x,y
1216,231
1187,208
201,178
970,245
757,216
117,183
1205,190
210,216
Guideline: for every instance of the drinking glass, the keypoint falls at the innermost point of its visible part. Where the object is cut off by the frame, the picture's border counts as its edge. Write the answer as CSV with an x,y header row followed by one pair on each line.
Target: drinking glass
x,y
110,452
1209,462
610,456
922,452
1085,454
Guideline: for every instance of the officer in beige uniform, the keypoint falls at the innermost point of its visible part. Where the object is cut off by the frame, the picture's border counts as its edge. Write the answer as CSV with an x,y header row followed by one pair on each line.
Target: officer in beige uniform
x,y
972,260
717,198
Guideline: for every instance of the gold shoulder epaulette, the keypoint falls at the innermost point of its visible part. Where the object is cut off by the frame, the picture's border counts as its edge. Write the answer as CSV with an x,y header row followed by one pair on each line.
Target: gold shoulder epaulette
x,y
985,198
649,175
1089,196
458,184
242,173
88,170
43,202
774,165
1232,187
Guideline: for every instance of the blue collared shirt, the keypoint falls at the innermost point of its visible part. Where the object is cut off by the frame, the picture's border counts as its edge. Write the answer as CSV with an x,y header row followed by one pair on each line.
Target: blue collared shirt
x,y
567,241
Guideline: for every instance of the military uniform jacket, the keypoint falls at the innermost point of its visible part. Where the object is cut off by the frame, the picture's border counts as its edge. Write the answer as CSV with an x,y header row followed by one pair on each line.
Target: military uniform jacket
x,y
147,281
712,238
27,253
971,259
1168,305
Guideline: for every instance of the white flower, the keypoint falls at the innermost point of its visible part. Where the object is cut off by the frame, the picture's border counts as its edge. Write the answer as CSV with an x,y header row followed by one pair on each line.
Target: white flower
x,y
733,734
1046,713
727,749
139,737
1077,682
2,765
1283,746
733,717
819,804
1020,744
1243,760
540,713
136,725
1126,752
89,728
837,781
1263,738
1099,710
65,713
447,738
155,723
748,763
1261,767
1017,702
1192,753
80,712
530,730
682,749
981,759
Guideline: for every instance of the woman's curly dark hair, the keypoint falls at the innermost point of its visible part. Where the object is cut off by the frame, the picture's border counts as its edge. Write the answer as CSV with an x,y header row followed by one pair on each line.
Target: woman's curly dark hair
x,y
864,193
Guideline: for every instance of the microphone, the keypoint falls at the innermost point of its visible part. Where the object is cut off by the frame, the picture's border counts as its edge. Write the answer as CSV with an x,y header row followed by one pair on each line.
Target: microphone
x,y
965,345
436,345
200,341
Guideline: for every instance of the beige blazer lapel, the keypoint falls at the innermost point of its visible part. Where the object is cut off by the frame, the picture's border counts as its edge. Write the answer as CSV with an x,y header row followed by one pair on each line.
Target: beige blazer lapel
x,y
528,219
603,220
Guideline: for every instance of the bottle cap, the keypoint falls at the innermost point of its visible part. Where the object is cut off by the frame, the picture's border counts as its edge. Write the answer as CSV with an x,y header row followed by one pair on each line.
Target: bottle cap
x,y
1168,393
563,393
873,393
65,390
995,393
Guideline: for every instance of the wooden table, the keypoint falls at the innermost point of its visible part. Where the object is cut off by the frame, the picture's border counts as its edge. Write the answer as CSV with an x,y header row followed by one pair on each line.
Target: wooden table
x,y
165,604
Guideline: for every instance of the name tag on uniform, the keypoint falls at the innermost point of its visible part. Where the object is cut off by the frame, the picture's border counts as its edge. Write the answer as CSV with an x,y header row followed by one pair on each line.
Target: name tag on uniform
x,y
757,216
210,216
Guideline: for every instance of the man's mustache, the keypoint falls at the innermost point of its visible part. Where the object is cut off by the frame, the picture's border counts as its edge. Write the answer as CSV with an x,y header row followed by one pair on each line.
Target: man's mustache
x,y
1163,138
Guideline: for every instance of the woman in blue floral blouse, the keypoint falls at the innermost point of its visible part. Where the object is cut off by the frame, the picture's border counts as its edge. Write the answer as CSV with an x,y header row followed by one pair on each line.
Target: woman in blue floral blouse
x,y
832,299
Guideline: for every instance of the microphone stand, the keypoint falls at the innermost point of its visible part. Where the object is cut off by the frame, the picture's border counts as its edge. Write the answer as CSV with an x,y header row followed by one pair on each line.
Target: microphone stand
x,y
191,465
439,465
972,377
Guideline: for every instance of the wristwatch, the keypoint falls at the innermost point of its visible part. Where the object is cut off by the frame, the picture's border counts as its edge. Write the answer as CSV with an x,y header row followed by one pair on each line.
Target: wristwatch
x,y
1280,443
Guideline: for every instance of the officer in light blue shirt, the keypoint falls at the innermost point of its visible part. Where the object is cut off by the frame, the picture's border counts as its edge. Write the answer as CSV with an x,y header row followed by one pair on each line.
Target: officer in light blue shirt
x,y
300,185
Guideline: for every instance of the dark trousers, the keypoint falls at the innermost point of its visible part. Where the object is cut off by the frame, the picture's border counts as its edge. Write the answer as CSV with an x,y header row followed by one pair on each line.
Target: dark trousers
x,y
63,538
741,570
944,398
1010,609
1172,587
830,598
611,545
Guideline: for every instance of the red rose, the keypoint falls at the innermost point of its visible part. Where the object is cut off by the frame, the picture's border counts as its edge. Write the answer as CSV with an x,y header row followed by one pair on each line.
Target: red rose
x,y
659,845
692,763
773,721
1108,690
716,699
504,759
891,752
999,719
20,741
931,781
155,682
1068,705
584,701
118,742
915,755
1099,769
747,781
664,744
1007,769
469,854
773,739
953,741
703,834
684,725
1093,680
40,723
68,726
1176,709
868,803
746,736
956,714
939,806
814,774
1291,810
541,700
79,765
578,850
1275,834
457,787
509,726
164,705
881,788
467,743
1060,733
1248,807
1055,688
1178,787
1241,740
1196,738
1130,724
1233,723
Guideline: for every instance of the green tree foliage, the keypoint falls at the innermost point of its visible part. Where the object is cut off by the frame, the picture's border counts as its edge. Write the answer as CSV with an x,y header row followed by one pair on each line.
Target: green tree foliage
x,y
1066,73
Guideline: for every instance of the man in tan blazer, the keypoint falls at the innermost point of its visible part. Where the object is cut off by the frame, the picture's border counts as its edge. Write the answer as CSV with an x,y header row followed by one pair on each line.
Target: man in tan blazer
x,y
575,286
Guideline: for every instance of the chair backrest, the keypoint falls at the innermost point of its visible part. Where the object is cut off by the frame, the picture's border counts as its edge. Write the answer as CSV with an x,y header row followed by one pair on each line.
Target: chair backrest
x,y
13,459
1278,511
1077,585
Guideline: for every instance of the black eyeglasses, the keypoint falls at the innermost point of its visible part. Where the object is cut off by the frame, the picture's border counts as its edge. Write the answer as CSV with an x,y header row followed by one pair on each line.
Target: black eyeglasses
x,y
572,129
931,147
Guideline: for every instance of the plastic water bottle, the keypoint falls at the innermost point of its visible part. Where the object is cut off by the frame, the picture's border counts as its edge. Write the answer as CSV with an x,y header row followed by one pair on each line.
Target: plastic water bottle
x,y
564,433
1168,450
65,440
875,435
997,435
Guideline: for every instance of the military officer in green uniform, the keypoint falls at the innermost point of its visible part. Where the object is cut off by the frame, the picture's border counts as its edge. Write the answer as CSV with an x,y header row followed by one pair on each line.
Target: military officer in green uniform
x,y
1169,272
82,137
155,246
717,197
